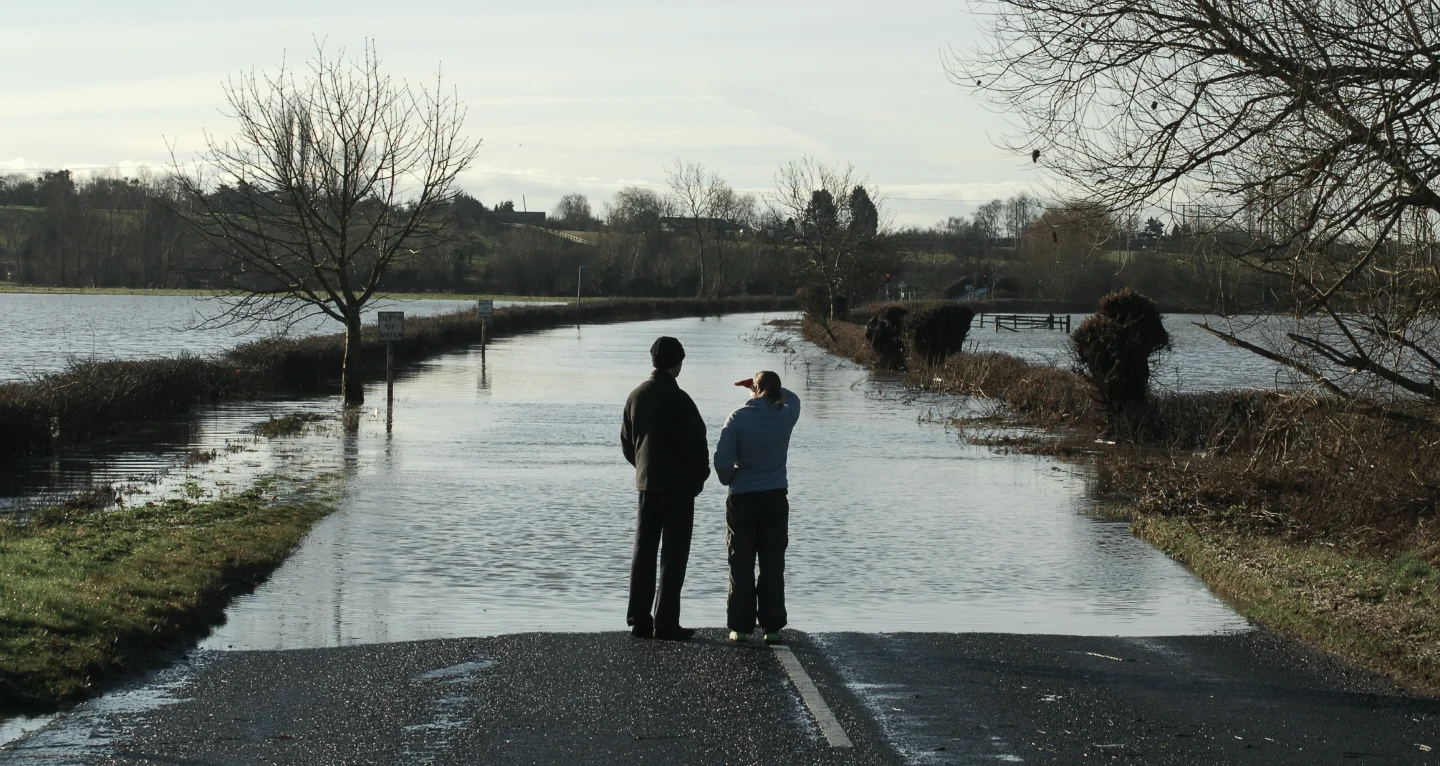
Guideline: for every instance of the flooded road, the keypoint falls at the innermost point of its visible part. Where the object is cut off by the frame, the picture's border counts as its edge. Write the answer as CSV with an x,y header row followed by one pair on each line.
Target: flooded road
x,y
500,503
497,504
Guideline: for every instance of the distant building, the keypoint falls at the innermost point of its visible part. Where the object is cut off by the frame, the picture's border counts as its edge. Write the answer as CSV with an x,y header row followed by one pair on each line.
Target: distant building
x,y
515,216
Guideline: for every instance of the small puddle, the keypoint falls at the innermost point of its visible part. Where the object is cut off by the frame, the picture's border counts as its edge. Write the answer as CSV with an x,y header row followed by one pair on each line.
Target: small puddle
x,y
94,727
12,729
448,713
456,674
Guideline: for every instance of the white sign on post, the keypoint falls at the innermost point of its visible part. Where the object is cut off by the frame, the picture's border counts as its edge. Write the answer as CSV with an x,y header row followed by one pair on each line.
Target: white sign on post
x,y
392,326
486,308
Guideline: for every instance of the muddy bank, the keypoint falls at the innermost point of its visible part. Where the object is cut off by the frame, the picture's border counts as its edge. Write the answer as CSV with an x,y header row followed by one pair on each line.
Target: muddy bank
x,y
97,399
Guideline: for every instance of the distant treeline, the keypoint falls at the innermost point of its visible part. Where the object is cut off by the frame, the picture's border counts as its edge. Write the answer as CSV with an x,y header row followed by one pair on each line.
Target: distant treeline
x,y
57,230
1070,254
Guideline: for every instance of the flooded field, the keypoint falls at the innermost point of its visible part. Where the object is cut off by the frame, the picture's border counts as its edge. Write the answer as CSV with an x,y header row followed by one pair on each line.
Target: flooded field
x,y
1197,361
45,331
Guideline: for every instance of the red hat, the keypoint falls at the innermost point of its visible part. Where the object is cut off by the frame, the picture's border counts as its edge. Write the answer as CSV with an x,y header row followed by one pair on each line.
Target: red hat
x,y
746,383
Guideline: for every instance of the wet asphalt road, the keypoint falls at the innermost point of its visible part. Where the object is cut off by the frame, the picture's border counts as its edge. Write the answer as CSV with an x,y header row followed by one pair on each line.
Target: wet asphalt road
x,y
1251,697
609,699
524,699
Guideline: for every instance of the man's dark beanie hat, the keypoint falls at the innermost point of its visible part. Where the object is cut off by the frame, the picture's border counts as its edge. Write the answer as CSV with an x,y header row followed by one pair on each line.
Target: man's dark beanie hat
x,y
666,352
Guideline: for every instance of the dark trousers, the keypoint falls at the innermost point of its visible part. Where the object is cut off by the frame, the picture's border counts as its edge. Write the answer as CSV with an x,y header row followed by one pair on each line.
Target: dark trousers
x,y
668,518
757,525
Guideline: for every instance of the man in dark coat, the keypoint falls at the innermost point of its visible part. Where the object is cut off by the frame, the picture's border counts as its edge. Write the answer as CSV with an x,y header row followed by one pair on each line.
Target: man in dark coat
x,y
663,436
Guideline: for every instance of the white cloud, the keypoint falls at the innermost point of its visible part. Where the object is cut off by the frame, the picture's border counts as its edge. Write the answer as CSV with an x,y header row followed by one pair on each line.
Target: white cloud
x,y
568,96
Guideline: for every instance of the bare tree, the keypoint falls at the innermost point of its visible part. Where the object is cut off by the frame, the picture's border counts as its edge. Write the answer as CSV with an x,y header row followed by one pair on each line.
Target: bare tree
x,y
1063,251
635,217
701,200
741,215
334,172
573,210
1305,134
839,240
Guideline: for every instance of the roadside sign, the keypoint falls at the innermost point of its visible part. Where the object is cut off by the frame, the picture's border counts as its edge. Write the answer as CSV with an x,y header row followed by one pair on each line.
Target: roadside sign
x,y
486,308
392,326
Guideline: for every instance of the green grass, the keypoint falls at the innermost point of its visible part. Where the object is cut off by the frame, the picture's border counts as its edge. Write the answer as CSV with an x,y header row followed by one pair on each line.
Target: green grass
x,y
89,596
1380,611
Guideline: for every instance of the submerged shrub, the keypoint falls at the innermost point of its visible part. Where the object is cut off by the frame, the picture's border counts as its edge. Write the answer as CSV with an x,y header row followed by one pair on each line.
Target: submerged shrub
x,y
814,303
1115,345
287,425
885,333
937,331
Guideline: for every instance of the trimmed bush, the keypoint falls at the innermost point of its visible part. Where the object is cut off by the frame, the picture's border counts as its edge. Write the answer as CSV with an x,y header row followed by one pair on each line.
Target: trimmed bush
x,y
1115,346
885,333
936,331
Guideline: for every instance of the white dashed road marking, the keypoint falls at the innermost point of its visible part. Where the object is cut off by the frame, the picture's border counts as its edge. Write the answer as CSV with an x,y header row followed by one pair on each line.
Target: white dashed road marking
x,y
831,728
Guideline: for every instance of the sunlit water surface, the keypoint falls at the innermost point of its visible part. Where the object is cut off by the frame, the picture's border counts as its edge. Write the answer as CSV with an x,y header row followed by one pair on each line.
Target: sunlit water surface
x,y
499,502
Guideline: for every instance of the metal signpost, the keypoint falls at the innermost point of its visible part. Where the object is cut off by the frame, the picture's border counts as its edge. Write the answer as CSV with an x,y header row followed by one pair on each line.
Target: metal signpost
x,y
485,309
392,328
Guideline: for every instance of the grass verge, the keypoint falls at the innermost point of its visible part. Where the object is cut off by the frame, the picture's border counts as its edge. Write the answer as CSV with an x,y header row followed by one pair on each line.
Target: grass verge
x,y
91,596
1383,611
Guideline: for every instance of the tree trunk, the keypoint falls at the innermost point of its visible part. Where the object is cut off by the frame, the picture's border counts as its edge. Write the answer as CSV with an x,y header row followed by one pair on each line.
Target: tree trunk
x,y
351,383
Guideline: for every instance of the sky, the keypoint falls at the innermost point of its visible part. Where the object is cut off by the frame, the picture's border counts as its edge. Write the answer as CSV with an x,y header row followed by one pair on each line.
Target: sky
x,y
564,96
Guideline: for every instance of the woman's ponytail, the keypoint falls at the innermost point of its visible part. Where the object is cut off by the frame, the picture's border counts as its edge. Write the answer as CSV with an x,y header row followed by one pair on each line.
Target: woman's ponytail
x,y
768,384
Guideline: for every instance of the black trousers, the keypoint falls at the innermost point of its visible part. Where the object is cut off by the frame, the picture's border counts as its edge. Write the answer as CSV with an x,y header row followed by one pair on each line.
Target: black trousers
x,y
668,518
757,525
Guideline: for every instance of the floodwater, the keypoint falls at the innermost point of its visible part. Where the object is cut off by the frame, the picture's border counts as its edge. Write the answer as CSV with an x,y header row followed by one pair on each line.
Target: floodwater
x,y
497,501
1197,360
43,332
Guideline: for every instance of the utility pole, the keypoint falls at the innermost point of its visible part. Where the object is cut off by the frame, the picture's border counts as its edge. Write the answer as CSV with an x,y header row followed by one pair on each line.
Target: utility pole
x,y
578,274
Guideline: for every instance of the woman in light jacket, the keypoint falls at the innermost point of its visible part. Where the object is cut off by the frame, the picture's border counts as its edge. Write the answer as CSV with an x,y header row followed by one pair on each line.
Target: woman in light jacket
x,y
750,460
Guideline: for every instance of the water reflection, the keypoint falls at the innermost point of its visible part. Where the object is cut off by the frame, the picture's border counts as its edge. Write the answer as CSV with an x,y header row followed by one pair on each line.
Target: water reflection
x,y
209,452
499,502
